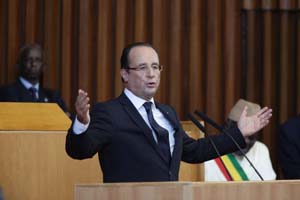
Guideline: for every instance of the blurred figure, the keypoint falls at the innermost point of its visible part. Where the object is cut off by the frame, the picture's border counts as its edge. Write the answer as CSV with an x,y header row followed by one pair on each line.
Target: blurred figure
x,y
234,166
27,87
289,148
1,194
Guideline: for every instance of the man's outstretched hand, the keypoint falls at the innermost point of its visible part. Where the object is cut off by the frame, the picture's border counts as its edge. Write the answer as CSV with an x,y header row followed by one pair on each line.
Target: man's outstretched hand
x,y
254,123
82,107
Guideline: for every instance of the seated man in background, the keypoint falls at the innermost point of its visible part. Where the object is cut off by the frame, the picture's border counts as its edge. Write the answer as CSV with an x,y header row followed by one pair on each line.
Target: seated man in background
x,y
27,87
234,166
289,148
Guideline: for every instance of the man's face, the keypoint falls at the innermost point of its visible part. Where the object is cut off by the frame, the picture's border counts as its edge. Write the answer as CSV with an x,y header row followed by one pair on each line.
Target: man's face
x,y
33,65
144,81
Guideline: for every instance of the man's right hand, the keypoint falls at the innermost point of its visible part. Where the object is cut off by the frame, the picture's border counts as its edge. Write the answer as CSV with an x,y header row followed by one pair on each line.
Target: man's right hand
x,y
82,107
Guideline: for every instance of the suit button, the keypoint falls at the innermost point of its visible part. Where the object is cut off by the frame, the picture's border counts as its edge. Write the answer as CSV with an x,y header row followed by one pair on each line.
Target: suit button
x,y
170,173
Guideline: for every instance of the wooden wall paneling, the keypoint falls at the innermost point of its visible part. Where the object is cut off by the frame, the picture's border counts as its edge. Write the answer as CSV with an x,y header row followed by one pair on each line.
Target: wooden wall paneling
x,y
253,55
286,66
86,48
140,20
231,55
298,60
52,43
13,39
104,66
32,16
287,4
250,4
175,66
3,40
196,57
121,30
269,4
160,36
214,84
269,82
66,52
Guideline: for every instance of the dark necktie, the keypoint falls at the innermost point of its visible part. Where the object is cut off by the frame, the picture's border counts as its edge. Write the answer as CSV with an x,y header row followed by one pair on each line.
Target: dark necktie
x,y
161,133
33,93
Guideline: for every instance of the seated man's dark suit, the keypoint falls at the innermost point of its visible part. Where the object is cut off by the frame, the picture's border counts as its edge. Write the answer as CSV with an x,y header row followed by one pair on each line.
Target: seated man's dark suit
x,y
127,150
17,92
289,148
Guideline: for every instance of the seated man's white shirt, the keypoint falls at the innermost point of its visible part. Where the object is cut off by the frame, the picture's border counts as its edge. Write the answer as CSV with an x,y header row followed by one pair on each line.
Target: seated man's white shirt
x,y
258,155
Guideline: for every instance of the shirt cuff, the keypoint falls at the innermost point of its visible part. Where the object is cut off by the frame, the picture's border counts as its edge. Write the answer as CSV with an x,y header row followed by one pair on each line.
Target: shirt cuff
x,y
79,127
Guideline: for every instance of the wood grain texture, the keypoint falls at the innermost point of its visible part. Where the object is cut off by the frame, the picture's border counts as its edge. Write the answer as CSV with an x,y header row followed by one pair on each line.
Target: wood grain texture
x,y
272,190
33,116
34,166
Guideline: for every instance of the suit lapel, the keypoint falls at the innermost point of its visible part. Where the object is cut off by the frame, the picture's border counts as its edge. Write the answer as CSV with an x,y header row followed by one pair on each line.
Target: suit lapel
x,y
23,93
139,121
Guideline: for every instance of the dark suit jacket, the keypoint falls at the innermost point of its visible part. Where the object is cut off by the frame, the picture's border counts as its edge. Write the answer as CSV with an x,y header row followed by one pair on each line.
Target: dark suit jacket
x,y
289,148
17,92
127,150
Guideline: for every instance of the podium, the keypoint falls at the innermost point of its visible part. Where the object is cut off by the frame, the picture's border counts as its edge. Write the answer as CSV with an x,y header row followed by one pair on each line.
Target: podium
x,y
33,161
267,190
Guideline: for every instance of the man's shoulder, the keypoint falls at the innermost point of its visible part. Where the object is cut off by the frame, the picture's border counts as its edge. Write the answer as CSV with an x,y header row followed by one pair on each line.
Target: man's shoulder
x,y
8,87
291,124
109,103
10,92
165,106
260,146
50,92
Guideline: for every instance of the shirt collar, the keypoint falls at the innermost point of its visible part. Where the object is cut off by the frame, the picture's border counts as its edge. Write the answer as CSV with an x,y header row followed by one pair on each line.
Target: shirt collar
x,y
27,84
135,100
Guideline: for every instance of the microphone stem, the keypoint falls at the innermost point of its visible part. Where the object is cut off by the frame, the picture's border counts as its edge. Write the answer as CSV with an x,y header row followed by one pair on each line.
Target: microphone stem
x,y
215,125
199,125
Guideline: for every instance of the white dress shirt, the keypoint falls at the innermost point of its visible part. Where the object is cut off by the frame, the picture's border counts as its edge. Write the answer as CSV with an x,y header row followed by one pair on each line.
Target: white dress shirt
x,y
138,102
258,155
28,85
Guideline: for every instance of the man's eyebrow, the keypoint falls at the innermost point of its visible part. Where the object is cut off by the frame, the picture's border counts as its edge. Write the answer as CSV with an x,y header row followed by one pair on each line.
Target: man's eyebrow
x,y
142,64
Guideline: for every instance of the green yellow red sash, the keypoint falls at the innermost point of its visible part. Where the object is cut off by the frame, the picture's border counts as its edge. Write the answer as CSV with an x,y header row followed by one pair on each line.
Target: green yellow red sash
x,y
231,168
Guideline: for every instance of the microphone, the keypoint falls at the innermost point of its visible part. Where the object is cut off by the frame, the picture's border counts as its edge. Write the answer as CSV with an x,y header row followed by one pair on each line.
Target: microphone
x,y
218,127
201,127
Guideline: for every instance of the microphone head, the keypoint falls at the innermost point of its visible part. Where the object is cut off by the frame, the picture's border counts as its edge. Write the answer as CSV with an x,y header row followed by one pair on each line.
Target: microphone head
x,y
238,108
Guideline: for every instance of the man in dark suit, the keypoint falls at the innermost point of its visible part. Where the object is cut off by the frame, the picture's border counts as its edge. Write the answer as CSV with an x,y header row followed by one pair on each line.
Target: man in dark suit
x,y
27,87
139,139
289,148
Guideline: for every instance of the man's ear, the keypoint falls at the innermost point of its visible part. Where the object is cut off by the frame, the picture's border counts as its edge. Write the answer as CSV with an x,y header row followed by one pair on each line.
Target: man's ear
x,y
124,75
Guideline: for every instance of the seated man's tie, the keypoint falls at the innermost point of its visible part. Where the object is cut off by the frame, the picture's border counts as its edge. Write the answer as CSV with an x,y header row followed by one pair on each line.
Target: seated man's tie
x,y
161,133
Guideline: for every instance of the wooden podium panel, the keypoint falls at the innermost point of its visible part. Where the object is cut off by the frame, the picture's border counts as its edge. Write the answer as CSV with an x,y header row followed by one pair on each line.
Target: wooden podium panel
x,y
32,117
267,190
191,172
246,190
34,166
33,162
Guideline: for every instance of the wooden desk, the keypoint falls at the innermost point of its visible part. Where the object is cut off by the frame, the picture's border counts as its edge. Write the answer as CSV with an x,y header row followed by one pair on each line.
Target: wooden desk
x,y
268,190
